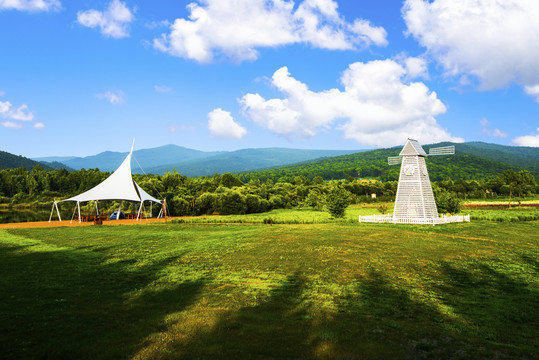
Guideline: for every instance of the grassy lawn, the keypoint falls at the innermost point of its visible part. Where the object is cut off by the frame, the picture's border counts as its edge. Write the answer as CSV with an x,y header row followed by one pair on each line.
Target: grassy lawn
x,y
295,291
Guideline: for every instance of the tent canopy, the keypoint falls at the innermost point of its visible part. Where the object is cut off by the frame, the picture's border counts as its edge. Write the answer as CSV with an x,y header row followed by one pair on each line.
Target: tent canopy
x,y
118,186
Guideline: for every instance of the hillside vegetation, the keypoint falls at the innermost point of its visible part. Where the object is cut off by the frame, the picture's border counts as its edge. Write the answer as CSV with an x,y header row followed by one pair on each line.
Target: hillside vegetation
x,y
10,161
472,161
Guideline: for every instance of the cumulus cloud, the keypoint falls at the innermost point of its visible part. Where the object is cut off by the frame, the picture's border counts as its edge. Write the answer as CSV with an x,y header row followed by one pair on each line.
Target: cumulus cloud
x,y
21,113
528,140
221,124
113,22
114,97
30,5
235,29
378,107
491,132
491,41
39,125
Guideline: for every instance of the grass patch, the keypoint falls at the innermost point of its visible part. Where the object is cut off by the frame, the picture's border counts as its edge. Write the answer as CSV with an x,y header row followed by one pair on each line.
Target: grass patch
x,y
505,215
328,290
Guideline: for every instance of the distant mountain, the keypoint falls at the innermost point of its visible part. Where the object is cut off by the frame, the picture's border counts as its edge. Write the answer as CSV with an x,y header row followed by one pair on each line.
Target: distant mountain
x,y
56,165
473,160
192,162
147,158
245,160
8,161
51,159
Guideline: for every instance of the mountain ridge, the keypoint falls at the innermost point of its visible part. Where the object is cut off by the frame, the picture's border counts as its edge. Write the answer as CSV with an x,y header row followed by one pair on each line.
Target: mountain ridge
x,y
472,160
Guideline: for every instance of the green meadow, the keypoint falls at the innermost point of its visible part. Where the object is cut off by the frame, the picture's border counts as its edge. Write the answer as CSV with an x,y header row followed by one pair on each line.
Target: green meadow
x,y
294,289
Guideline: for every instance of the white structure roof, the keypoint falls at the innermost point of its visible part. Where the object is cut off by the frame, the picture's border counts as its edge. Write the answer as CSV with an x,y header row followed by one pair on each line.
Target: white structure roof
x,y
118,186
412,148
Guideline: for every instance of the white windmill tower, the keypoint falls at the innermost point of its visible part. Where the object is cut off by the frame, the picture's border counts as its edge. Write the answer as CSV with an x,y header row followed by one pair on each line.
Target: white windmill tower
x,y
415,200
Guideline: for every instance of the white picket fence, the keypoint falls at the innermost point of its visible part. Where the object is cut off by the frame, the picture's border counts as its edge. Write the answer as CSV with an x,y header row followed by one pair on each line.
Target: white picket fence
x,y
443,219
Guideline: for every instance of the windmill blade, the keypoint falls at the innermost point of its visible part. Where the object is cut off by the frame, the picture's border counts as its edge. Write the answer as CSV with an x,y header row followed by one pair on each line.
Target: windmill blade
x,y
394,160
444,150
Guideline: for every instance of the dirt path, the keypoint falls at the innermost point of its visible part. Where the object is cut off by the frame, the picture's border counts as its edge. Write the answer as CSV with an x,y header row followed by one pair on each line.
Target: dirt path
x,y
36,224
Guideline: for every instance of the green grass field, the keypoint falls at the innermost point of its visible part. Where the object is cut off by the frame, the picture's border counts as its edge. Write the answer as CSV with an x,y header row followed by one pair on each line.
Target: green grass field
x,y
333,290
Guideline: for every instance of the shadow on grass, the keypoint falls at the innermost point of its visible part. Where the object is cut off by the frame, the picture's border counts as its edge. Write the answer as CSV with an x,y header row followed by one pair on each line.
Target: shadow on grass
x,y
70,304
498,310
278,326
374,322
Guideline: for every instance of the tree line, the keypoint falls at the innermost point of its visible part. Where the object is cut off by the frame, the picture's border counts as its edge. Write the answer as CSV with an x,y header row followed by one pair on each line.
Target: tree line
x,y
228,194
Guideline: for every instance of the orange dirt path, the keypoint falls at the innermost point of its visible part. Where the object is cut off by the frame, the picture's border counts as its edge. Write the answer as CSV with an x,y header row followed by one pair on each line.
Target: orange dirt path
x,y
39,224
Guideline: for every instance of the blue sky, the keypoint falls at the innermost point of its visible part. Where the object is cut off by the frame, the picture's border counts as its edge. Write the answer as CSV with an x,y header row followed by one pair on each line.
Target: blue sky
x,y
81,77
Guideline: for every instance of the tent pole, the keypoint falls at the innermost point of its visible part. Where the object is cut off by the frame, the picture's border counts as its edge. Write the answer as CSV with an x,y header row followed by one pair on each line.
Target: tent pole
x,y
159,215
144,210
96,208
73,215
119,208
151,203
78,207
165,211
57,211
139,209
52,210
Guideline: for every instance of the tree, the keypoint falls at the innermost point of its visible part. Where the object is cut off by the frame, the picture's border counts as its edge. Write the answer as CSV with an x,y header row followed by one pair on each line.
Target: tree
x,y
337,200
446,201
314,199
517,181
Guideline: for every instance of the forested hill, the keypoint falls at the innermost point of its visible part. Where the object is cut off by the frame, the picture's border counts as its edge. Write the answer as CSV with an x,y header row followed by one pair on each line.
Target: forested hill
x,y
8,161
473,160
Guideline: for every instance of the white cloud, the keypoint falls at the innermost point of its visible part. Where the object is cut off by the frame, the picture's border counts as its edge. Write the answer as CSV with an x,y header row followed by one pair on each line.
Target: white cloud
x,y
528,140
30,5
532,91
11,124
493,41
491,132
114,97
235,29
113,22
377,106
21,113
221,124
162,88
39,125
416,67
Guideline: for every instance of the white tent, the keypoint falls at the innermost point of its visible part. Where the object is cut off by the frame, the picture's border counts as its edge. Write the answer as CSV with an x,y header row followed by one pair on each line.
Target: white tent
x,y
118,186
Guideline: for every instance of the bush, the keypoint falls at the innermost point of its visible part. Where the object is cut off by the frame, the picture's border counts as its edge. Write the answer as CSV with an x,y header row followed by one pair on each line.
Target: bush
x,y
447,202
232,202
206,203
314,200
277,201
181,206
337,200
253,203
383,208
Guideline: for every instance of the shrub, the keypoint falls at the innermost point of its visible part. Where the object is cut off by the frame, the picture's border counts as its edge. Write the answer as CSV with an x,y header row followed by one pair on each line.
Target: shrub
x,y
447,202
181,206
232,202
383,208
206,203
337,200
253,203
